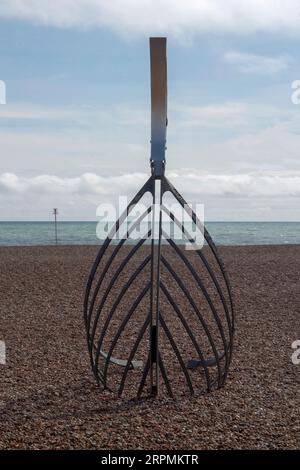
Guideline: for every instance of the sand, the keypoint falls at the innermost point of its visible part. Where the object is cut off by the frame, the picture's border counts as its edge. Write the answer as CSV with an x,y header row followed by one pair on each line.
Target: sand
x,y
48,395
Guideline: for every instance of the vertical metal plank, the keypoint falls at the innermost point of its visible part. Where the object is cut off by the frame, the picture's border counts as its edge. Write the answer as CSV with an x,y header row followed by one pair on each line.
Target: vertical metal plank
x,y
158,65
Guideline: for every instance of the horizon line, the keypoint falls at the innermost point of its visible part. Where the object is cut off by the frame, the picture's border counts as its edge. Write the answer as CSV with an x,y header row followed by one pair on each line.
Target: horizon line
x,y
96,221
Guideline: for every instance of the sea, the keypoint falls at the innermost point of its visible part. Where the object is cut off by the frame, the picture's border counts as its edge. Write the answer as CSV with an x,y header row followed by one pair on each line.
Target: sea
x,y
85,233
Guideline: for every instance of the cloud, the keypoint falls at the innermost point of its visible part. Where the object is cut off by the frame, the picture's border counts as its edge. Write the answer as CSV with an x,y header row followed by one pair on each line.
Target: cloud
x,y
212,116
252,64
230,137
261,184
87,183
118,114
229,116
70,139
22,111
271,148
148,17
226,115
244,196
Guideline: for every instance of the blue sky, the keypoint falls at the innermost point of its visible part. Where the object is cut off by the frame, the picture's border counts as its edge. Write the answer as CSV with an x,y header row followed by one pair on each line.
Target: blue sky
x,y
75,130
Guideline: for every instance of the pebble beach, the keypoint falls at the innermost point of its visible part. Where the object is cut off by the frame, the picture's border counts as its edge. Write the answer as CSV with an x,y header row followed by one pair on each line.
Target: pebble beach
x,y
49,398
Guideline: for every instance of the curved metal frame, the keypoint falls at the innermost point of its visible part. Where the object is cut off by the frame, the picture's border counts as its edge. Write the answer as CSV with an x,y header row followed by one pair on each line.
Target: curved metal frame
x,y
156,286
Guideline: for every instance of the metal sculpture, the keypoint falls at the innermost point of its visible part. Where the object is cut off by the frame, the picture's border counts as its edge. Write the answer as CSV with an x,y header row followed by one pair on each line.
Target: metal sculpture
x,y
159,318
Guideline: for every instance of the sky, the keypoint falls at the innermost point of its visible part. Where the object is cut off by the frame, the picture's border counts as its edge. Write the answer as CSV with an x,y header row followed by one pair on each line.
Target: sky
x,y
75,129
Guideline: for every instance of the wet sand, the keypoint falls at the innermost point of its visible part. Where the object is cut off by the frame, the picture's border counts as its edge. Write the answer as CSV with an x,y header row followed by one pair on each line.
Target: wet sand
x,y
48,395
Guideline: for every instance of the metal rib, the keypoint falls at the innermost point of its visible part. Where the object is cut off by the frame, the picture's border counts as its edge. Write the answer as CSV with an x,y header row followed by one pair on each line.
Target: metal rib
x,y
121,328
118,300
169,187
144,376
189,331
164,375
148,186
109,262
206,264
192,303
205,293
132,353
229,318
91,276
112,281
177,353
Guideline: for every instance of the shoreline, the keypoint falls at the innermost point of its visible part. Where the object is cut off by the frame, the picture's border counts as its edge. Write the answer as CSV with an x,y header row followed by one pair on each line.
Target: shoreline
x,y
99,245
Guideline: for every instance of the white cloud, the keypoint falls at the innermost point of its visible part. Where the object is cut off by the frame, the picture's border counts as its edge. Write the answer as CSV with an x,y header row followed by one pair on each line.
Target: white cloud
x,y
253,64
212,116
25,111
234,137
120,114
249,171
161,16
226,115
272,184
271,148
35,138
260,184
87,183
238,116
245,196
